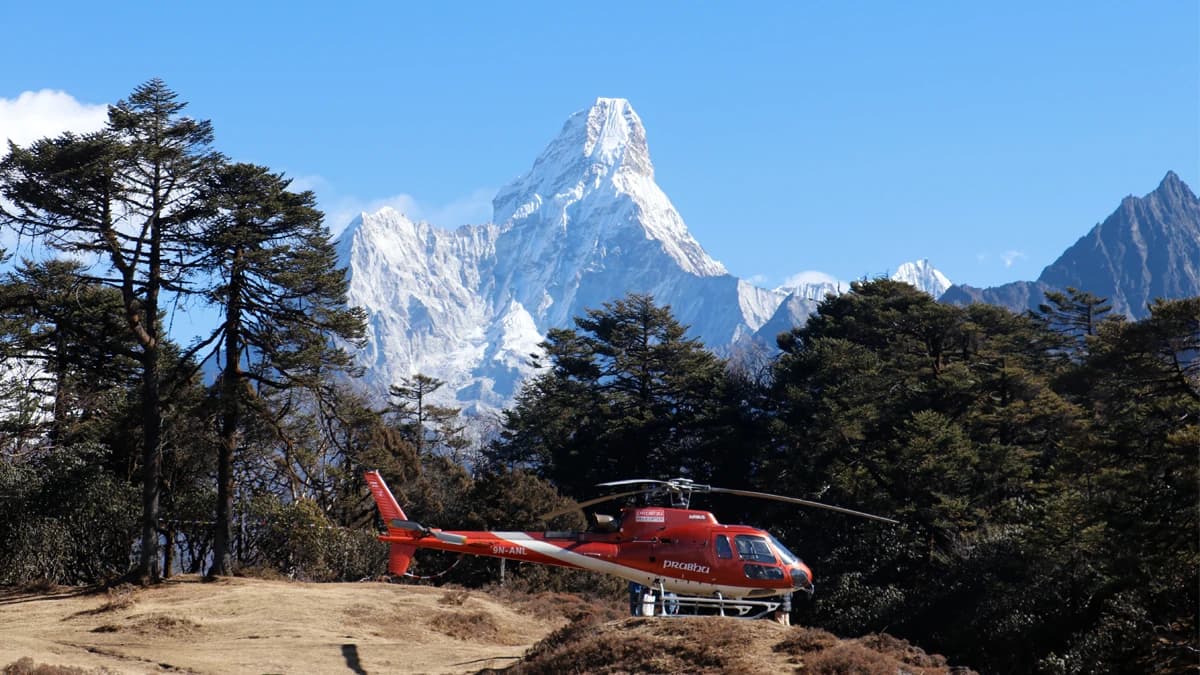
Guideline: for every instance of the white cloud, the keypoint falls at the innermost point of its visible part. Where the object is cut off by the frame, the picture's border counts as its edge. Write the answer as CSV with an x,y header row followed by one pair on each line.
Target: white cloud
x,y
759,280
1010,257
313,182
37,114
33,115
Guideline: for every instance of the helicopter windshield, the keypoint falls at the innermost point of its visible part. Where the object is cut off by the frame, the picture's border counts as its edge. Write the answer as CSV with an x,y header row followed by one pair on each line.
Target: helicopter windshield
x,y
753,548
788,557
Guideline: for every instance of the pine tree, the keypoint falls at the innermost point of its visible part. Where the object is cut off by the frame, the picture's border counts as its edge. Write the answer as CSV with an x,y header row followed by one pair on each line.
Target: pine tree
x,y
627,393
943,417
75,331
132,195
282,300
1136,486
1076,315
426,425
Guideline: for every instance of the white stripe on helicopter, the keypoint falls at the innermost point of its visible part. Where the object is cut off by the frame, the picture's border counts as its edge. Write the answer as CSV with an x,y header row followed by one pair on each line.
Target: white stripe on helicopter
x,y
548,549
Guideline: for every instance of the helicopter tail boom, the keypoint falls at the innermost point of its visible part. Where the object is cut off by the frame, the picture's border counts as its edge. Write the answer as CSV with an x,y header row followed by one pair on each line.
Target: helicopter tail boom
x,y
399,555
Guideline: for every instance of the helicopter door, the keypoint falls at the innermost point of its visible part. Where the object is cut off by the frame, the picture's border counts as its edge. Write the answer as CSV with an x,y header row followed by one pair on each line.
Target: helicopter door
x,y
722,550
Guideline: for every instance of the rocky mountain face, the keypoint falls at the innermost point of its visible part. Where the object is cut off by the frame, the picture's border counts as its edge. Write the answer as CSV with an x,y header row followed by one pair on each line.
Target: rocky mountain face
x,y
586,225
1148,248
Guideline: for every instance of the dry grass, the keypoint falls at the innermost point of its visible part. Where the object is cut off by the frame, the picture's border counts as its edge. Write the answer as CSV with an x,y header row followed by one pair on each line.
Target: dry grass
x,y
116,599
849,658
153,624
803,640
26,666
263,573
257,626
454,596
37,586
904,652
261,626
569,606
477,625
647,645
720,645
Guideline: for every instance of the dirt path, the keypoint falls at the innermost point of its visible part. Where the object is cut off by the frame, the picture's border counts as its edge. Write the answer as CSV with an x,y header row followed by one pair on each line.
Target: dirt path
x,y
256,626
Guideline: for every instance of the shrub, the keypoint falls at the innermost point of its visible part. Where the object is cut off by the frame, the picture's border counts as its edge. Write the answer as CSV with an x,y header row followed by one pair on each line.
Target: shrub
x,y
299,541
849,658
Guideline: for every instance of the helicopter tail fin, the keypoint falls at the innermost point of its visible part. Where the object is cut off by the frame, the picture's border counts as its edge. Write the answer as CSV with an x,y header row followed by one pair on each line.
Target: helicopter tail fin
x,y
388,508
399,555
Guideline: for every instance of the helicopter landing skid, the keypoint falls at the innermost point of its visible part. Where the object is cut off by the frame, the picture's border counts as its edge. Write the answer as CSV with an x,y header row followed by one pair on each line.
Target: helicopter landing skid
x,y
693,605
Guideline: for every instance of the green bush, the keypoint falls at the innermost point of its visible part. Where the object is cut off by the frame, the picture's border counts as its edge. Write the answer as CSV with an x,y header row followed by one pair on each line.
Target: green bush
x,y
299,541
64,520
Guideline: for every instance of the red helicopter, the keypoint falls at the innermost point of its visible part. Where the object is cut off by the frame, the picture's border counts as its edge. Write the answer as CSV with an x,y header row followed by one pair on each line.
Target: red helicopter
x,y
684,556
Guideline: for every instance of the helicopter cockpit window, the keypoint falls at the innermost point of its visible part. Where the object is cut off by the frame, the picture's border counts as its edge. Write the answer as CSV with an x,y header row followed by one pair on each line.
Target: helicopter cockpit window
x,y
723,550
789,558
754,549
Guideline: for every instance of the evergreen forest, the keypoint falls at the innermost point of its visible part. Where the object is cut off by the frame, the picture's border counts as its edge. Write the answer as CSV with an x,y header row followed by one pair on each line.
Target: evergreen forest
x,y
1044,467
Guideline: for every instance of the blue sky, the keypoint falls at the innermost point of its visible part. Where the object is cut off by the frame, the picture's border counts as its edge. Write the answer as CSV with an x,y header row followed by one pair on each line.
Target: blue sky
x,y
843,137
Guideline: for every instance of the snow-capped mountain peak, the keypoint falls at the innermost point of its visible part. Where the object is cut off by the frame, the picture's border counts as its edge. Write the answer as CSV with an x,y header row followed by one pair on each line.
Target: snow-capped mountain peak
x,y
813,285
593,145
585,225
615,136
924,276
589,202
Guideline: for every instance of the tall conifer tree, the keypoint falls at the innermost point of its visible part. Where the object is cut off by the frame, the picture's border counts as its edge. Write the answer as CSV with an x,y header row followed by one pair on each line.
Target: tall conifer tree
x,y
131,195
627,393
282,300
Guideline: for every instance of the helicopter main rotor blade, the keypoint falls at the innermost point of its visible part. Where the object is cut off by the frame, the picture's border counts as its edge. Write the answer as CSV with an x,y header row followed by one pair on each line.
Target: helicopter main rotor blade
x,y
805,502
633,481
579,505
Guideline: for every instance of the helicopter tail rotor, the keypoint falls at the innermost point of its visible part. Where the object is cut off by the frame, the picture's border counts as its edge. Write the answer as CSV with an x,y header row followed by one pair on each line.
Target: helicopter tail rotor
x,y
423,531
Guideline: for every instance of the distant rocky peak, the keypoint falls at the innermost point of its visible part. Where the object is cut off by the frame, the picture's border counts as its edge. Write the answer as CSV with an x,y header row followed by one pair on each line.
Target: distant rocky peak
x,y
1172,188
1148,248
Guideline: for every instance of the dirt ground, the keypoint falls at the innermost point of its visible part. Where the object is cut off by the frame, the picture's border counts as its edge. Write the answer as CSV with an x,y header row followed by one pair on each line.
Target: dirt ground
x,y
261,626
257,626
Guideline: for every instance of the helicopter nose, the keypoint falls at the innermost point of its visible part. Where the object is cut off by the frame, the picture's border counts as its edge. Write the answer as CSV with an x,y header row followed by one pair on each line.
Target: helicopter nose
x,y
802,578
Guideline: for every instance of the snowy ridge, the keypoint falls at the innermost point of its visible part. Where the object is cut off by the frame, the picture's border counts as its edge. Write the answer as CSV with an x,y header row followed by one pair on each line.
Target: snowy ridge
x,y
419,286
924,276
